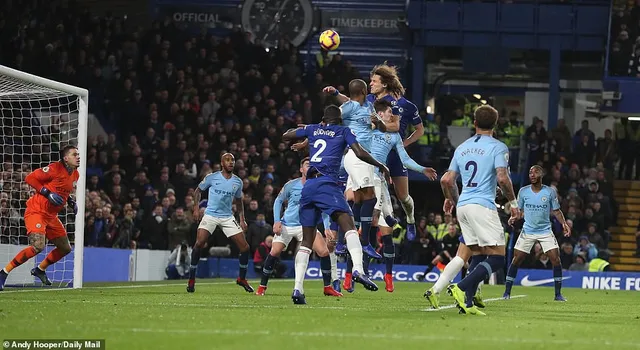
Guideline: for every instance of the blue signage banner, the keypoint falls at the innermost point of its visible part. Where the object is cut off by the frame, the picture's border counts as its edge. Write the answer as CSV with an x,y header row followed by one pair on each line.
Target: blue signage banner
x,y
228,268
120,263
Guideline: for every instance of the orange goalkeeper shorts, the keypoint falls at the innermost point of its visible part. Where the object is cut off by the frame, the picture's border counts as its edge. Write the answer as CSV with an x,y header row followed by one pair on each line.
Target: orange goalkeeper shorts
x,y
51,226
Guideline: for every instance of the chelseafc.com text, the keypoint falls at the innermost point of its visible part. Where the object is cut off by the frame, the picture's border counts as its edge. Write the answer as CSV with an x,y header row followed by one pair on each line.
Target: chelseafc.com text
x,y
30,344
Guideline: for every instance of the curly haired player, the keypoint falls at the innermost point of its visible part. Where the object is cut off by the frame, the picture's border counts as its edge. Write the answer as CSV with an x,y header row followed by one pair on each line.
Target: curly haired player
x,y
53,184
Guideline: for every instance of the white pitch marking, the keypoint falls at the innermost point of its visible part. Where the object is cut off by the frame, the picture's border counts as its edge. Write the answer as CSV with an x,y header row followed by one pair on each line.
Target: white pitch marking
x,y
454,305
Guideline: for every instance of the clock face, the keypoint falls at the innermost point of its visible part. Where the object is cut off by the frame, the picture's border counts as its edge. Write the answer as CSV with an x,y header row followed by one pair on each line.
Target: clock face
x,y
270,20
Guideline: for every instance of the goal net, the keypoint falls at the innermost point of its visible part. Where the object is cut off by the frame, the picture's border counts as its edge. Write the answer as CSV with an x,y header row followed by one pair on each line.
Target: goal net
x,y
38,117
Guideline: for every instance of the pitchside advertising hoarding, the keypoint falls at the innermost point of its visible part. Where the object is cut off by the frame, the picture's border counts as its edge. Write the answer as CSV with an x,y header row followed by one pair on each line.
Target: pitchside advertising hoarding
x,y
147,265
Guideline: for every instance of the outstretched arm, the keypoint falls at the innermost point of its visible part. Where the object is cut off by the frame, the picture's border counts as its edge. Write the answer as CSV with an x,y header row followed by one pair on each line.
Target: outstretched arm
x,y
290,134
330,90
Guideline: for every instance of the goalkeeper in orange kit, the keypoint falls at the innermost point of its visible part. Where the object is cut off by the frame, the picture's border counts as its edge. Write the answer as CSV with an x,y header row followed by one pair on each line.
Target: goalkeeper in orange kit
x,y
53,185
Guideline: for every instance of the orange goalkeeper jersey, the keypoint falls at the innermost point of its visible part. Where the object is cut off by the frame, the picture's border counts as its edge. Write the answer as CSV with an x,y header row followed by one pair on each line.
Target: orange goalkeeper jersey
x,y
55,178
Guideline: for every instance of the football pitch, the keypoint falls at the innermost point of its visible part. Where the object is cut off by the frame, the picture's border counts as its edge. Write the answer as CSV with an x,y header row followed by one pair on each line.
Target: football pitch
x,y
220,315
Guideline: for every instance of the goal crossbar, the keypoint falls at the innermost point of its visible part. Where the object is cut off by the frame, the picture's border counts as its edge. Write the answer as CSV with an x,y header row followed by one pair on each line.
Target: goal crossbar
x,y
48,86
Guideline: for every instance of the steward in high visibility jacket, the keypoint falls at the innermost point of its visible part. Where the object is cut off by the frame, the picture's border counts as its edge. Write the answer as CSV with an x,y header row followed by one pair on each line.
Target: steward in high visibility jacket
x,y
598,265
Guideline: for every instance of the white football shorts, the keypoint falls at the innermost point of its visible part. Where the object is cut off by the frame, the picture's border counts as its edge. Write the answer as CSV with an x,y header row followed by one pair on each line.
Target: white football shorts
x,y
229,225
361,173
526,241
287,233
480,226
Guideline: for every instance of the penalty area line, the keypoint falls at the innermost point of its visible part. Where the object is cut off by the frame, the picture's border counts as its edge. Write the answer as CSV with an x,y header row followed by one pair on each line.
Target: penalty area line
x,y
446,307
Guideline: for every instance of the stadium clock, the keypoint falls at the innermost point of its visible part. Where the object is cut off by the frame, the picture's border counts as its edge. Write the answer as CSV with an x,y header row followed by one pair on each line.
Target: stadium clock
x,y
269,20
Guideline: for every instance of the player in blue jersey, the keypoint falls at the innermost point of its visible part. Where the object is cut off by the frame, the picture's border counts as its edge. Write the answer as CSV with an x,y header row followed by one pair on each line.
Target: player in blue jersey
x,y
537,202
225,189
482,161
356,115
322,192
385,84
288,227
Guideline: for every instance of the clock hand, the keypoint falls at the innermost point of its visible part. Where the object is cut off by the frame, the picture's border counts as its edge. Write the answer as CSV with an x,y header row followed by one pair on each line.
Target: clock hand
x,y
276,18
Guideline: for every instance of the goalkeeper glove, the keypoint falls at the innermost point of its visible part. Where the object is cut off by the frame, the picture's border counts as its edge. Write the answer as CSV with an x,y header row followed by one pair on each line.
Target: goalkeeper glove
x,y
53,197
72,203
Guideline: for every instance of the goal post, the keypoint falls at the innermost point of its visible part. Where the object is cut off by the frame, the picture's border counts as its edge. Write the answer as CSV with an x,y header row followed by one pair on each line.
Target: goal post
x,y
38,117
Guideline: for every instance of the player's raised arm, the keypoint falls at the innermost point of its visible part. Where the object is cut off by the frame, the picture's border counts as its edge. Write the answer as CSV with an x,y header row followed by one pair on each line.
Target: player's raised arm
x,y
417,123
295,133
330,90
39,179
409,163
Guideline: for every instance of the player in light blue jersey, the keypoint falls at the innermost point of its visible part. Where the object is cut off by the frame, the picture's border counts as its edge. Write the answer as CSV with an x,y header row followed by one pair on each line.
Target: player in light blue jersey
x,y
356,114
225,189
482,162
537,202
288,227
322,192
381,144
385,84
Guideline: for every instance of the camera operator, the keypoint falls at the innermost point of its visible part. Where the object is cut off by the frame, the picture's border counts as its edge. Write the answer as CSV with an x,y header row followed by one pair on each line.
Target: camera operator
x,y
179,262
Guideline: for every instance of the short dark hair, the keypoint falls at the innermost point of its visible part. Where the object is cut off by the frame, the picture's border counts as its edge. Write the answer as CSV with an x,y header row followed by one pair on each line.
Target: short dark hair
x,y
486,117
305,159
357,87
332,114
65,150
381,105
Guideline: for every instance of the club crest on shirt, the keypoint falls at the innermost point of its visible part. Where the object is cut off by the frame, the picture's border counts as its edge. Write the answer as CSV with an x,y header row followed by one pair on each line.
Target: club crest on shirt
x,y
235,188
387,137
544,199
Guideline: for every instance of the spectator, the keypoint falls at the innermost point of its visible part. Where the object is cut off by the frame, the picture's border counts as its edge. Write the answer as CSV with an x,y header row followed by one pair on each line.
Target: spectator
x,y
155,232
257,232
261,253
566,255
178,227
580,263
586,247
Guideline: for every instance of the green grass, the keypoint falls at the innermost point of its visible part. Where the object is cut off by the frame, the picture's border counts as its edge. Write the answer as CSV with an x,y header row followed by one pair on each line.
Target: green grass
x,y
220,315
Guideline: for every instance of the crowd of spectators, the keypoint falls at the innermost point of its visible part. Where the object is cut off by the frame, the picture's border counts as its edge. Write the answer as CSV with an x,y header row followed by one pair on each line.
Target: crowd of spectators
x,y
176,101
624,50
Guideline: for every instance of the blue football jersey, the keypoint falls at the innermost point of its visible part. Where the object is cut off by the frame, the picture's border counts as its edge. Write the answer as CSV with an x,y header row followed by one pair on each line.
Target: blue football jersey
x,y
290,193
476,160
357,117
383,142
326,147
537,208
404,108
222,191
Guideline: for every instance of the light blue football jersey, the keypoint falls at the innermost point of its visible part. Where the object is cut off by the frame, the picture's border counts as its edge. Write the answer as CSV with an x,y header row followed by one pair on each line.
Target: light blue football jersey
x,y
357,117
537,209
383,142
476,160
290,193
222,191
